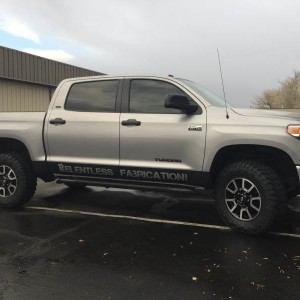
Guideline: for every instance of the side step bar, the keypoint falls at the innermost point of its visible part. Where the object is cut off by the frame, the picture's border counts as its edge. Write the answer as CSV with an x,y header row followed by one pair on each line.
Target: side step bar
x,y
106,184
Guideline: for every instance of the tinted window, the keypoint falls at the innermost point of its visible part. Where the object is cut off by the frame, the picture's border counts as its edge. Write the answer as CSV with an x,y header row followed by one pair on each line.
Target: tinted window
x,y
148,96
95,96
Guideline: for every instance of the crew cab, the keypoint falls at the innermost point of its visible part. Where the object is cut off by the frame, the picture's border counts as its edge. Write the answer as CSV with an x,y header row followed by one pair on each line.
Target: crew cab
x,y
162,133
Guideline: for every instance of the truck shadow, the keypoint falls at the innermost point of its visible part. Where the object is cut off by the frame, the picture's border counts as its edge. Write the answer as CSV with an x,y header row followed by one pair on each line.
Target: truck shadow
x,y
179,206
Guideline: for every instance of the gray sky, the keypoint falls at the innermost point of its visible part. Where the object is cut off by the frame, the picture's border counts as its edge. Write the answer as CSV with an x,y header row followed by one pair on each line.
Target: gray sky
x,y
258,40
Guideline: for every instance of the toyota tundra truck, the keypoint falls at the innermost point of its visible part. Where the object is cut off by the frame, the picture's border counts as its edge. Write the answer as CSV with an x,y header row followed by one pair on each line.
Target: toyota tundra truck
x,y
157,133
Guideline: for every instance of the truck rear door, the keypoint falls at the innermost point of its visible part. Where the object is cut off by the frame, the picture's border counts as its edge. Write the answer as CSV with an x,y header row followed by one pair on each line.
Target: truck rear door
x,y
82,130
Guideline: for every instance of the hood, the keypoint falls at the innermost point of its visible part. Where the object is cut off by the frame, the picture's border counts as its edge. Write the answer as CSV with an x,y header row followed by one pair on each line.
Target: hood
x,y
267,113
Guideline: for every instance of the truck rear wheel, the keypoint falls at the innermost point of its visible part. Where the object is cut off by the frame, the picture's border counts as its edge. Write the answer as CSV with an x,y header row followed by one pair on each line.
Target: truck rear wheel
x,y
249,196
17,180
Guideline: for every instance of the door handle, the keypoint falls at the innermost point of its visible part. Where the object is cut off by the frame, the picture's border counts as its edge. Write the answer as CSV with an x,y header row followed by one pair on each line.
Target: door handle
x,y
57,121
131,122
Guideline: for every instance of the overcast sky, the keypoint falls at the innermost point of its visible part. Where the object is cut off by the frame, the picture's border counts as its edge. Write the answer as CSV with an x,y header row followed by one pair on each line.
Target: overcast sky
x,y
259,40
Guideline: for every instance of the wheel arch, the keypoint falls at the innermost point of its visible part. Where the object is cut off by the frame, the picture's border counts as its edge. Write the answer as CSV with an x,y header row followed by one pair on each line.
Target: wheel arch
x,y
14,145
276,158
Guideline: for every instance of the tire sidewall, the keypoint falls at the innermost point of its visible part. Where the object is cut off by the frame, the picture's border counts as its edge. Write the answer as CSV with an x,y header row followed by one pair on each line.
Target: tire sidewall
x,y
268,203
17,197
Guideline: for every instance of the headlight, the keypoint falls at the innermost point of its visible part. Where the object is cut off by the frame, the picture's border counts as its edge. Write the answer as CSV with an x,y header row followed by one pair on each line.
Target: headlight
x,y
294,130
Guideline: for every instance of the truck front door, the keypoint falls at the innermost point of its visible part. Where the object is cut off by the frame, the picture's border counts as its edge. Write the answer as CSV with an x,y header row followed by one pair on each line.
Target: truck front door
x,y
159,144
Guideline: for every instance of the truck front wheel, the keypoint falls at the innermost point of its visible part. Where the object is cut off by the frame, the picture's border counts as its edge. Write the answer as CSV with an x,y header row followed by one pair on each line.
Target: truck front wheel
x,y
17,180
249,196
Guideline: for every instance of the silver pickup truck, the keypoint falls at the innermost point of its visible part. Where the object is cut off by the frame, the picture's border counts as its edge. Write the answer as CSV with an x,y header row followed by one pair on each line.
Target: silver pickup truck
x,y
143,132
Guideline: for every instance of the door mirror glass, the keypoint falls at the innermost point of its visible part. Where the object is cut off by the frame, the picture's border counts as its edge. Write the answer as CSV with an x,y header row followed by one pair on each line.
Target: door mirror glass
x,y
181,102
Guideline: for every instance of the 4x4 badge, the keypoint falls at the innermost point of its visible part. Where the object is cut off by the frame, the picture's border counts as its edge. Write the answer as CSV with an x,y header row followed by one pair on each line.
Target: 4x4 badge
x,y
195,128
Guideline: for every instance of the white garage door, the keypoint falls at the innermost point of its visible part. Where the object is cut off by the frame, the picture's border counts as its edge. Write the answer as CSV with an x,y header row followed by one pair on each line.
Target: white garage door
x,y
18,96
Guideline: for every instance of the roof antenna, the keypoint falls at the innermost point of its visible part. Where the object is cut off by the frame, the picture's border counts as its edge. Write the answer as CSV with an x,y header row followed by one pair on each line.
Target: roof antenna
x,y
227,116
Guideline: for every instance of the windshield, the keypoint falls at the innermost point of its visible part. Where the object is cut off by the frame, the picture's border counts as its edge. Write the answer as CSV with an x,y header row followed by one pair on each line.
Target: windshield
x,y
213,99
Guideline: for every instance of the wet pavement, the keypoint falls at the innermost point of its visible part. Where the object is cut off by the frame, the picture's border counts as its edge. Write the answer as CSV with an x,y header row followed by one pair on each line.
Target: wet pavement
x,y
107,254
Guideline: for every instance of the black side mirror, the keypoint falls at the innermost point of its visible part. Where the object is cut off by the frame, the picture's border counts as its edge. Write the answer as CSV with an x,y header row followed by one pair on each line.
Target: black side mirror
x,y
180,102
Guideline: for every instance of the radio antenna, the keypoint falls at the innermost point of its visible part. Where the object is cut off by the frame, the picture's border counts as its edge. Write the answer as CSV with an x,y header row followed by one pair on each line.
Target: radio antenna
x,y
227,116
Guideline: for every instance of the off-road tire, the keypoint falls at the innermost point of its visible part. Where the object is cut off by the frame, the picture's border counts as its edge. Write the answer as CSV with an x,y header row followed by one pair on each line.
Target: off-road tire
x,y
25,179
268,184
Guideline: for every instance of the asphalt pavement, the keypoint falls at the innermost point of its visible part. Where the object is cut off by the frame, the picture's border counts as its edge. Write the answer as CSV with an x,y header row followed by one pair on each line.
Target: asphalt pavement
x,y
116,244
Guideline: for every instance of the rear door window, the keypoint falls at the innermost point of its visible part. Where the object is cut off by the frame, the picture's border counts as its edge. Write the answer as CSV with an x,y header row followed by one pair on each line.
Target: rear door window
x,y
93,96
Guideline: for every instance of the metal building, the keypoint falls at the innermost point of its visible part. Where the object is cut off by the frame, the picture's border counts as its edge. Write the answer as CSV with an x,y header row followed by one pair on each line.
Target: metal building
x,y
27,81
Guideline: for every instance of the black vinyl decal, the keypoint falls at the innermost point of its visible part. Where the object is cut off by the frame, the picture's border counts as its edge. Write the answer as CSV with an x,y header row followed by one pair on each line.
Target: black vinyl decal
x,y
195,178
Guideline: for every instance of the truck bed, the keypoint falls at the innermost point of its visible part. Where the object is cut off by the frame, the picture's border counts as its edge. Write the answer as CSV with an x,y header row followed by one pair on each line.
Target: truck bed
x,y
26,127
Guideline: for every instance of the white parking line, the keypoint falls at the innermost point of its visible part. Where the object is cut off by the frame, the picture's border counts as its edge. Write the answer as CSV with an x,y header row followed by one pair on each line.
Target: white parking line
x,y
162,221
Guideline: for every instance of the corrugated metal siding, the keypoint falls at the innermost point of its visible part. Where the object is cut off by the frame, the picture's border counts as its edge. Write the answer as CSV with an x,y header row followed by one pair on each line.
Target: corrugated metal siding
x,y
22,66
18,96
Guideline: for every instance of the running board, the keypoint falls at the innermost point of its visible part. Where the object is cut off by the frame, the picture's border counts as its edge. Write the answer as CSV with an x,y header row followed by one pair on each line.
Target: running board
x,y
106,184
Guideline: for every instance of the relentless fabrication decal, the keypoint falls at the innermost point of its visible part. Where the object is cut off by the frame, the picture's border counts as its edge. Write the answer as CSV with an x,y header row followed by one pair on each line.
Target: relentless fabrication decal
x,y
172,176
124,173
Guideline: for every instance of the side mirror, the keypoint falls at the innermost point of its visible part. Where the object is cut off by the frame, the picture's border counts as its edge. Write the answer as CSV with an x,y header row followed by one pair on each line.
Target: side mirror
x,y
180,102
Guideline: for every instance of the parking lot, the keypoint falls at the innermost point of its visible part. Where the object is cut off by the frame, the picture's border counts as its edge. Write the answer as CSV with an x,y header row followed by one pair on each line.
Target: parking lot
x,y
116,244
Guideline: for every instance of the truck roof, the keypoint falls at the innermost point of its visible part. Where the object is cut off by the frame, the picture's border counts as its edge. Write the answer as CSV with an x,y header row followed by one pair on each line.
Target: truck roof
x,y
122,76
